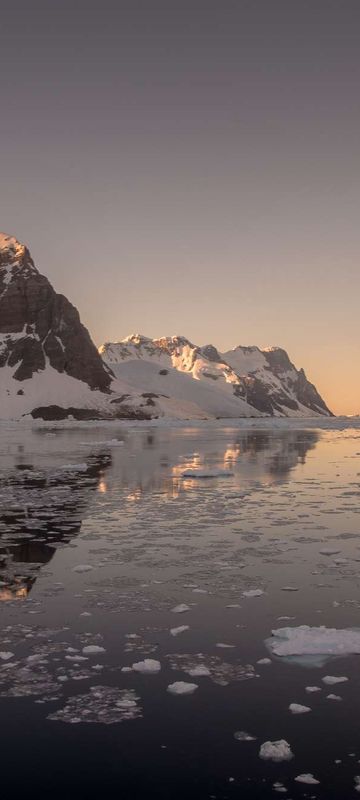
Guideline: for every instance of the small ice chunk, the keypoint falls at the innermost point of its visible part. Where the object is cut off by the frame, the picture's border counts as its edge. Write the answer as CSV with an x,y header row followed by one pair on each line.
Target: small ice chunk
x,y
207,473
243,736
357,783
331,680
149,666
276,751
297,708
199,671
311,689
5,655
225,646
92,649
182,687
76,467
333,697
180,629
329,551
181,608
306,777
289,588
82,568
253,593
264,661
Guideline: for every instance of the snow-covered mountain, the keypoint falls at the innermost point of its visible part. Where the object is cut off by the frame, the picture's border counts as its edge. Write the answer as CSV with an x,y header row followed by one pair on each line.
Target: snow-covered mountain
x,y
51,369
245,381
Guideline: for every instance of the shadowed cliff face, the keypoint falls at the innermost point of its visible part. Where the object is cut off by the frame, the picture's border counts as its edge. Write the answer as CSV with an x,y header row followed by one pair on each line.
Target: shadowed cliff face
x,y
40,510
41,327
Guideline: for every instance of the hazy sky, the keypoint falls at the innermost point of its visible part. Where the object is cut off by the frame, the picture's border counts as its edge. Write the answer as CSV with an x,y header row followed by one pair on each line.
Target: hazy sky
x,y
193,167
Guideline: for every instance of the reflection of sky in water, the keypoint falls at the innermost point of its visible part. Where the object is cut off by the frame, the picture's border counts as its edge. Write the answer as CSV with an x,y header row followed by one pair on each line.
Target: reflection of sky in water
x,y
151,540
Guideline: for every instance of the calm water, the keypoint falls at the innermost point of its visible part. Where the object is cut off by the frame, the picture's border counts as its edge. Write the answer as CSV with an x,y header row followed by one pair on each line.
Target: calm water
x,y
99,542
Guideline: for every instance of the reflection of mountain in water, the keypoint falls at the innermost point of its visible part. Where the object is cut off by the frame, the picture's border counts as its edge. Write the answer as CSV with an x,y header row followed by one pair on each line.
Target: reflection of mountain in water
x,y
267,457
39,510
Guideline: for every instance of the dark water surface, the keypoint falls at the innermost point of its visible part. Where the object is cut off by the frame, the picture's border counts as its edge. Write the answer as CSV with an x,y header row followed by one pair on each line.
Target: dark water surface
x,y
100,541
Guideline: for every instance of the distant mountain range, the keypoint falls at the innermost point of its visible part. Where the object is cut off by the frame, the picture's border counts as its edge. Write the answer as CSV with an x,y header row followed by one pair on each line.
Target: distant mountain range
x,y
51,369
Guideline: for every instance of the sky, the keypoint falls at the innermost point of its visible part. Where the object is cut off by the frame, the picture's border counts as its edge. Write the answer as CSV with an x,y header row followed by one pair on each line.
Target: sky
x,y
192,167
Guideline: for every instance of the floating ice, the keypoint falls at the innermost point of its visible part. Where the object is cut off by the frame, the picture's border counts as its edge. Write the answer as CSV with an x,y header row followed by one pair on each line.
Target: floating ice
x,y
264,661
297,708
329,551
220,672
276,751
181,608
312,689
82,568
207,473
93,649
149,666
180,629
182,687
4,655
331,680
313,646
103,704
253,593
306,777
333,697
243,736
199,671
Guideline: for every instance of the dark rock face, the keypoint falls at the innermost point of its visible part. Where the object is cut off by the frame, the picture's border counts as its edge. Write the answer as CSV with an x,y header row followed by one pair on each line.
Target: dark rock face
x,y
39,326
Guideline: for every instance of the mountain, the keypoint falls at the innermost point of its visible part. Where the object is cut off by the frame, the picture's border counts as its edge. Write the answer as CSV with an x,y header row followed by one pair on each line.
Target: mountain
x,y
47,357
245,381
51,369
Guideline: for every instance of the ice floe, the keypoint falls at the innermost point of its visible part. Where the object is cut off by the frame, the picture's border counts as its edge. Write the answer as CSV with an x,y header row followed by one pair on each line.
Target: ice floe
x,y
297,708
102,704
182,687
149,666
243,736
306,777
179,629
276,751
313,646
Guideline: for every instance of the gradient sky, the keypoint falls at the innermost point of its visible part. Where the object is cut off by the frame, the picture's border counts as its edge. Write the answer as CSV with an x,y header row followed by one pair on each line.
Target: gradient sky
x,y
192,167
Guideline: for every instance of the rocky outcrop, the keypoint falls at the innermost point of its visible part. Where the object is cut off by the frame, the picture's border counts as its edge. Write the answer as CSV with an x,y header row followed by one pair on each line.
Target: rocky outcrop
x,y
39,327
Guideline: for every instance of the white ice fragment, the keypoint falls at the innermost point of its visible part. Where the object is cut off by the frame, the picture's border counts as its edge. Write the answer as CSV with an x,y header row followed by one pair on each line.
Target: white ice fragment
x,y
333,697
199,671
306,777
207,473
225,646
253,593
76,467
5,655
276,751
311,689
297,708
264,661
180,629
181,608
182,687
243,736
92,649
329,551
314,645
82,568
149,666
331,680
289,588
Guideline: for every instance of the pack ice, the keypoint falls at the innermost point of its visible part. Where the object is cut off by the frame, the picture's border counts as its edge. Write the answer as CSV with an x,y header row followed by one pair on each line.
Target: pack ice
x,y
313,646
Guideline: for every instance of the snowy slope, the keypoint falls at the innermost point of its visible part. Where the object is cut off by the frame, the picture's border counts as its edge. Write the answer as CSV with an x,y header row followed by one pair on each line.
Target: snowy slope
x,y
245,381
